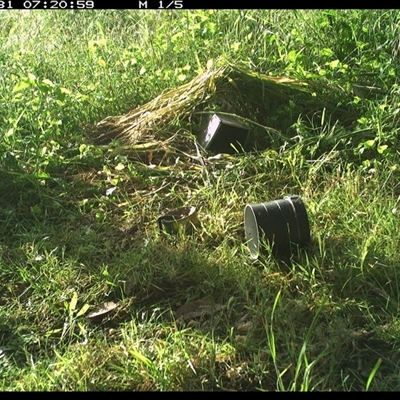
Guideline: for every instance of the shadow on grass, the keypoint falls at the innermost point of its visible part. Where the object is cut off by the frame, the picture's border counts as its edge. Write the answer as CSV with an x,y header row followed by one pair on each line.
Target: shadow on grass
x,y
360,314
105,259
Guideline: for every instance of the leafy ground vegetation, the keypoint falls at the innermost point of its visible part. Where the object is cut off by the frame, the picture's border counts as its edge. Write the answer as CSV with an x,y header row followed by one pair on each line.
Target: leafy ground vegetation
x,y
94,297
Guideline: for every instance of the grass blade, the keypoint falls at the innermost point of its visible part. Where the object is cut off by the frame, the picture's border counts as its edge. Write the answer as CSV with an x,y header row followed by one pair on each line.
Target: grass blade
x,y
372,374
74,301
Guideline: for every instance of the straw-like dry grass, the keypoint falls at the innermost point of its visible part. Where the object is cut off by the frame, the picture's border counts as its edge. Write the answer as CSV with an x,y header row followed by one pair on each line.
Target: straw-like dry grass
x,y
170,119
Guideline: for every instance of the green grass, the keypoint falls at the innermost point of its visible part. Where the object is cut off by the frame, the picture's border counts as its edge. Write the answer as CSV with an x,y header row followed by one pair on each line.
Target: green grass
x,y
78,220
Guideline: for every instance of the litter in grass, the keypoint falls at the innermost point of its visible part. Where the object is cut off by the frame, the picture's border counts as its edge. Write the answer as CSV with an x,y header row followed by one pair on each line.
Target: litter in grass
x,y
198,308
102,309
223,134
282,223
183,219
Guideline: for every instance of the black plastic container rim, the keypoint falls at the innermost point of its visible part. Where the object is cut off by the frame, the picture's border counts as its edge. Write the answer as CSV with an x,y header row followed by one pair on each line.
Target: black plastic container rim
x,y
251,231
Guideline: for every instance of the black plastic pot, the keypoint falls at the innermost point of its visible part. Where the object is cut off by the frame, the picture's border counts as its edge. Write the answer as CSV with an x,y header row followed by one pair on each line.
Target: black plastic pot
x,y
220,132
180,220
282,224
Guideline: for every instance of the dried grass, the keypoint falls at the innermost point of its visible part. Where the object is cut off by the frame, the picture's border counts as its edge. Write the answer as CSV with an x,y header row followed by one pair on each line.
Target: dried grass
x,y
270,103
150,121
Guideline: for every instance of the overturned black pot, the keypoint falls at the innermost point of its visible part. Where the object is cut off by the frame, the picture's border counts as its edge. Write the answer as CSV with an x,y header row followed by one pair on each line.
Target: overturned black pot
x,y
220,132
181,220
282,224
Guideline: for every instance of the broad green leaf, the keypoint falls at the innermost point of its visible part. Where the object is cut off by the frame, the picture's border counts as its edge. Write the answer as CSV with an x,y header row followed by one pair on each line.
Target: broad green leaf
x,y
31,77
369,143
83,310
326,52
65,90
10,132
292,55
21,85
48,82
334,64
42,175
74,300
382,148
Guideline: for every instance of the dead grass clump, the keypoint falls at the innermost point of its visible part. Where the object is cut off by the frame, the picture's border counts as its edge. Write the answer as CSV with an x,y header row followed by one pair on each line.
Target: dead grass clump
x,y
271,104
